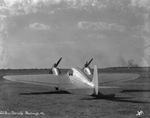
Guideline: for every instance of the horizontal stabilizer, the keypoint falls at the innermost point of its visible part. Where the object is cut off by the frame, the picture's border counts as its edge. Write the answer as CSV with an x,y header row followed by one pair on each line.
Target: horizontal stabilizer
x,y
107,90
117,77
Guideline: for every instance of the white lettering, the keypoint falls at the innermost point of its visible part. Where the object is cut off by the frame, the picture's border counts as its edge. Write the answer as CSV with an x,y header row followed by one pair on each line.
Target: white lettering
x,y
139,113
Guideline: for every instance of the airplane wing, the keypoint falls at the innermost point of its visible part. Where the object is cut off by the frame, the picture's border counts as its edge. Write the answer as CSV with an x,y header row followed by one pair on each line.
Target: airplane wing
x,y
53,80
40,79
5,72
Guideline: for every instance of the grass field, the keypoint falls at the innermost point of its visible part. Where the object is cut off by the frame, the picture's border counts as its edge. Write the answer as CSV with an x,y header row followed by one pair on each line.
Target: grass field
x,y
31,99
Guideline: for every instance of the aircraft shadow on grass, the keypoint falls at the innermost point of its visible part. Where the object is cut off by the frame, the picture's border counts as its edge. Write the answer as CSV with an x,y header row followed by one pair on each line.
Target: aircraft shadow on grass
x,y
116,99
41,93
128,91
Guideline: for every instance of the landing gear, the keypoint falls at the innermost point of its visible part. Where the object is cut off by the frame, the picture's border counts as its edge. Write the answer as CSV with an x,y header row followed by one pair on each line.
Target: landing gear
x,y
104,96
56,88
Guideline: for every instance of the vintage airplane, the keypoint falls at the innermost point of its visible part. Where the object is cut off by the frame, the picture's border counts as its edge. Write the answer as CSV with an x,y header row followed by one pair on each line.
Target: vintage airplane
x,y
76,80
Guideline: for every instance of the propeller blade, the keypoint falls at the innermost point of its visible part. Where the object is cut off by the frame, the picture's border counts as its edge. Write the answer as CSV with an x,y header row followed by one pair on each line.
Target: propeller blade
x,y
90,61
86,64
58,62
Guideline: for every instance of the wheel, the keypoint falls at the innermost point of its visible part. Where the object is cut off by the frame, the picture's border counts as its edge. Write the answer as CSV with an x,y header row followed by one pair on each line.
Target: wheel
x,y
56,88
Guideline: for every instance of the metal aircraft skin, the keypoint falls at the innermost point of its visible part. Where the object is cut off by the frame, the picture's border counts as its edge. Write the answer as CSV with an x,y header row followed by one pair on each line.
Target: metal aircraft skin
x,y
76,80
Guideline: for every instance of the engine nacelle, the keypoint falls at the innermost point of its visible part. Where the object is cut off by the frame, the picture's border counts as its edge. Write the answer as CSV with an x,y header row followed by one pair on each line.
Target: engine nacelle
x,y
87,70
55,71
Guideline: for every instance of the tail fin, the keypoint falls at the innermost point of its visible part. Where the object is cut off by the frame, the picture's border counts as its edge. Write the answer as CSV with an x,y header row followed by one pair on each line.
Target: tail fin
x,y
95,80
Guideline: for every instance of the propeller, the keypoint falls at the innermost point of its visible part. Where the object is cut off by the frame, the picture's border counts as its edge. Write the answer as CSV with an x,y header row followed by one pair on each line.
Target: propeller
x,y
87,68
88,63
55,66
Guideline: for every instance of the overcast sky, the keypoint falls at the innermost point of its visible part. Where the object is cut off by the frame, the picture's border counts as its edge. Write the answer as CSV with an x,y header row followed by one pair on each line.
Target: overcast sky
x,y
36,33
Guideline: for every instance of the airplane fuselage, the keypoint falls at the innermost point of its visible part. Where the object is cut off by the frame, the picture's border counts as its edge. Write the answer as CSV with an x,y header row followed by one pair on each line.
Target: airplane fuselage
x,y
80,79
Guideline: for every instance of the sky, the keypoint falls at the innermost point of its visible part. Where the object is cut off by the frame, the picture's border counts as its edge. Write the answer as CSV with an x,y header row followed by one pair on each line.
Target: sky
x,y
36,33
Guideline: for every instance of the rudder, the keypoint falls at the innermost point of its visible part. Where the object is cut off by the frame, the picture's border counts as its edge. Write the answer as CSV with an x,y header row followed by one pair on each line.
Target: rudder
x,y
95,80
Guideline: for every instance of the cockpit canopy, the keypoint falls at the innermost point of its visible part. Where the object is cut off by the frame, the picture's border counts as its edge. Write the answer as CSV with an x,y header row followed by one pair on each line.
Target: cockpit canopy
x,y
70,72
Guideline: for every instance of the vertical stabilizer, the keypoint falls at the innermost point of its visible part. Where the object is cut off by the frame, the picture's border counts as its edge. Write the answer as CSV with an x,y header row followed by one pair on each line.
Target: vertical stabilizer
x,y
95,80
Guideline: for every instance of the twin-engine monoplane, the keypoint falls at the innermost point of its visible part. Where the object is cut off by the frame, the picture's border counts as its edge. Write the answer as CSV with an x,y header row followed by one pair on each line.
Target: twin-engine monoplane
x,y
77,80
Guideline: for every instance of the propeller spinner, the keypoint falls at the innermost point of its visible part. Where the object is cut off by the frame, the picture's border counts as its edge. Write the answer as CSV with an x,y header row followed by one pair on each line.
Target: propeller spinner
x,y
87,68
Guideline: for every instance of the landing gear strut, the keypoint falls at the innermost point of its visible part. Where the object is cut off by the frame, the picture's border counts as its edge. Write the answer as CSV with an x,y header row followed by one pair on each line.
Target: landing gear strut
x,y
56,88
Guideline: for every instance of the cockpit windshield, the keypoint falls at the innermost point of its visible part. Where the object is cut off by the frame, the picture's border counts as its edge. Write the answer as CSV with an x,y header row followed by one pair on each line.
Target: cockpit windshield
x,y
70,72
